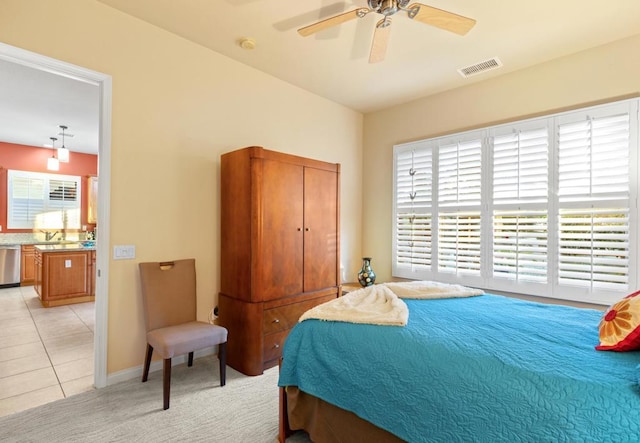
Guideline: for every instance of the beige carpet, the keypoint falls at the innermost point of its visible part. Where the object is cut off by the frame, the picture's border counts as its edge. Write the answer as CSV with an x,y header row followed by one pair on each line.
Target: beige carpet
x,y
245,410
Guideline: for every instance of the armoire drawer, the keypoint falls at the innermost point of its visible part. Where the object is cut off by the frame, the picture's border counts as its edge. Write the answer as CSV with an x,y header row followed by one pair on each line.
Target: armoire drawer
x,y
285,317
273,344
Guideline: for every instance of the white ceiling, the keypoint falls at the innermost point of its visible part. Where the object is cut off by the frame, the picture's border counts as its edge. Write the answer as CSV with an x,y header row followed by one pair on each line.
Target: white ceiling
x,y
34,103
421,60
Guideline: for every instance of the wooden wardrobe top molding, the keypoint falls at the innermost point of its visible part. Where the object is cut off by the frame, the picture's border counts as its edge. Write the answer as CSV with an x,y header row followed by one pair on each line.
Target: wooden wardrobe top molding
x,y
260,152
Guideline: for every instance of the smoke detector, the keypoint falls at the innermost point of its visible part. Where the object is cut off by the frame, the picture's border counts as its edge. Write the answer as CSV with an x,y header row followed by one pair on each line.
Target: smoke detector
x,y
247,43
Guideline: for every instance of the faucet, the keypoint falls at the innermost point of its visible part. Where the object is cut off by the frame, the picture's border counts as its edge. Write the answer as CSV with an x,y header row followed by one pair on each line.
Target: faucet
x,y
48,236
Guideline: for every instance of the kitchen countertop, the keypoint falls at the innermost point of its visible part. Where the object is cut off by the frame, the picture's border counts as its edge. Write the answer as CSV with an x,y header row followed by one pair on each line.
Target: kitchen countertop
x,y
64,247
14,242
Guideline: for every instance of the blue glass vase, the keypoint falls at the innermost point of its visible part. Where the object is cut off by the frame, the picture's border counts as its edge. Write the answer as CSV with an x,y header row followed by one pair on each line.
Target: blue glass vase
x,y
366,276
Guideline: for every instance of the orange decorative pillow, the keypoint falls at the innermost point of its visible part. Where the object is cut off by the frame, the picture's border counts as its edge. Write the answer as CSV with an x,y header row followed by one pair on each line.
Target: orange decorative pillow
x,y
620,325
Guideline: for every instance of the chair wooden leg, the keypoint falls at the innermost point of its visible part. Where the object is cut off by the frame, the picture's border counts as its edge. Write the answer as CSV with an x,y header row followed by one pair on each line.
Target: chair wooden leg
x,y
222,356
147,362
166,382
190,361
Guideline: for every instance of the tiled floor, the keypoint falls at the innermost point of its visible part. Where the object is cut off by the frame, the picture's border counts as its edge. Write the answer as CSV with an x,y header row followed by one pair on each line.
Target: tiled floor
x,y
45,353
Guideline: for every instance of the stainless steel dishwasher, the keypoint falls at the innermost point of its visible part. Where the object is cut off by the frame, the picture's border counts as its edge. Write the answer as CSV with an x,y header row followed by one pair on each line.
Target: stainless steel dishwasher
x,y
9,265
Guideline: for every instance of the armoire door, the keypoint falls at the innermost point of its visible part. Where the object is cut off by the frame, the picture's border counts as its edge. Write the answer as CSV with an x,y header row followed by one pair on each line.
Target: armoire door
x,y
282,229
320,229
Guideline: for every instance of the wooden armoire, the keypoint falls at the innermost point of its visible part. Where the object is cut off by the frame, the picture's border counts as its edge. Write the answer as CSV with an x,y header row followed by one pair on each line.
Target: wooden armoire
x,y
280,249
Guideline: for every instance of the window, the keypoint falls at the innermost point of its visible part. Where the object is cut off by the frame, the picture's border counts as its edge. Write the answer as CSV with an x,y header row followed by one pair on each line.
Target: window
x,y
545,206
43,201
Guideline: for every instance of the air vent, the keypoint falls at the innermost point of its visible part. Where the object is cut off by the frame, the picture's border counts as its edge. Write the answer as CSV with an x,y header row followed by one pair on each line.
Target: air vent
x,y
479,68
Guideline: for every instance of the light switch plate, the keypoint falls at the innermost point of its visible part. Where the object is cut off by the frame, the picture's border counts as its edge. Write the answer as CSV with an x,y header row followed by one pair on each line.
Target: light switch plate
x,y
124,252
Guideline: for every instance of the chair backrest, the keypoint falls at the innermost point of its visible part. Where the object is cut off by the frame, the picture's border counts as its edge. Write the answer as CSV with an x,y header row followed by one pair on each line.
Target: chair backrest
x,y
168,292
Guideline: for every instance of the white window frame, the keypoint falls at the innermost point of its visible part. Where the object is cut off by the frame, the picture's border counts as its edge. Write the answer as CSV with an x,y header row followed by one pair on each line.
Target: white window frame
x,y
54,213
427,267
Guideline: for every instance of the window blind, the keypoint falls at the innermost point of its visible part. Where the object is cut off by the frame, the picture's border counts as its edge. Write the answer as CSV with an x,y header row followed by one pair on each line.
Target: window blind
x,y
43,201
520,196
459,242
520,242
594,241
413,194
594,248
459,173
459,196
594,158
545,206
521,166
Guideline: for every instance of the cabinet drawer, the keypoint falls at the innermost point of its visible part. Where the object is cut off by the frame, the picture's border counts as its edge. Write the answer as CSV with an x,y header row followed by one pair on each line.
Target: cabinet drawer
x,y
285,317
273,344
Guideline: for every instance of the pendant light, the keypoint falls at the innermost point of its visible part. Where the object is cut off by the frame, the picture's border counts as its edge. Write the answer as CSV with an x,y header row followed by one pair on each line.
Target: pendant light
x,y
52,163
63,152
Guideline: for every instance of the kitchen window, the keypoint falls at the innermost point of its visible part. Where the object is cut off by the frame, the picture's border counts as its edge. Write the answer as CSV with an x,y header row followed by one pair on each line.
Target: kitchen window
x,y
43,201
545,206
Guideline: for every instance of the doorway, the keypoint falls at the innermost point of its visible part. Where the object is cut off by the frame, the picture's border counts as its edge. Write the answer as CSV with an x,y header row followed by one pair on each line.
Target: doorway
x,y
103,82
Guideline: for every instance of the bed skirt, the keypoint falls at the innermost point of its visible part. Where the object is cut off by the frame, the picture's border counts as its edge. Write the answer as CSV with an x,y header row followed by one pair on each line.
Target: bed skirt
x,y
324,422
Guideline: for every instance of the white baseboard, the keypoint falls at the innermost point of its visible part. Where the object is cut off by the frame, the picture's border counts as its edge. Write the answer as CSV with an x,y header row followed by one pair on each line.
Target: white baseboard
x,y
156,365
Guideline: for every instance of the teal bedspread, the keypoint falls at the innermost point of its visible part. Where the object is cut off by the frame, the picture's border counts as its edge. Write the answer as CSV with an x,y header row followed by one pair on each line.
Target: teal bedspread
x,y
479,369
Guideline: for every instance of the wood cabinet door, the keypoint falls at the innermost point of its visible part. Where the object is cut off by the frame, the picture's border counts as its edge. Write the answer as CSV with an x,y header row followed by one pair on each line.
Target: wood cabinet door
x,y
38,272
279,262
28,265
65,275
320,229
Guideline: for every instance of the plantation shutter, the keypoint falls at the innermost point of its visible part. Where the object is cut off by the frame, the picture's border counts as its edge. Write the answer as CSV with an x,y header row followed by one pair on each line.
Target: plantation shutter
x,y
26,200
594,200
43,201
63,201
414,177
459,192
520,202
545,206
521,167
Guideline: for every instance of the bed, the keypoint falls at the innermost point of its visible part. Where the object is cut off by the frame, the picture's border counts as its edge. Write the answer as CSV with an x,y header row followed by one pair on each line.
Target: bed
x,y
485,368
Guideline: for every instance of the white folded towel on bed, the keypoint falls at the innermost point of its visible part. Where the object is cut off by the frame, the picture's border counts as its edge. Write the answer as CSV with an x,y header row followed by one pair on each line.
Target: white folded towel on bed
x,y
431,289
382,304
375,304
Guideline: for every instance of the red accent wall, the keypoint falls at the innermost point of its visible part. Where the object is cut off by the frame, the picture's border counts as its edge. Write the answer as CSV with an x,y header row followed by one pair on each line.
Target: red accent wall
x,y
34,159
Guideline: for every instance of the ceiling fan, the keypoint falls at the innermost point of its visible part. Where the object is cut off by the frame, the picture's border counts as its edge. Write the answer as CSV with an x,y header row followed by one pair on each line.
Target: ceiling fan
x,y
415,11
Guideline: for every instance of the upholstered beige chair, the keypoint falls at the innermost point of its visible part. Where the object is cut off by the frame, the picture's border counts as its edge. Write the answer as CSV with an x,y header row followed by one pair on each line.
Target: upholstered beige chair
x,y
169,298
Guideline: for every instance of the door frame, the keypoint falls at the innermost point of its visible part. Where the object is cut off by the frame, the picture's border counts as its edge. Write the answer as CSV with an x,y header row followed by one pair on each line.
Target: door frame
x,y
104,83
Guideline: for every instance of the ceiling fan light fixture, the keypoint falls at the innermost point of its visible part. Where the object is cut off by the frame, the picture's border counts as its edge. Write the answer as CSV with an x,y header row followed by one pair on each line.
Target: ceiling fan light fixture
x,y
388,7
429,15
374,4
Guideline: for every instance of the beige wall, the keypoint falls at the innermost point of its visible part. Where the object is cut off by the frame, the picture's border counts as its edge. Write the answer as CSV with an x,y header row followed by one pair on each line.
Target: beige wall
x,y
598,74
176,107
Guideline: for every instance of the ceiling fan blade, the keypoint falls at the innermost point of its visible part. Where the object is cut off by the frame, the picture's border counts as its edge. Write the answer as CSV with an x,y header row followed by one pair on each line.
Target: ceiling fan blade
x,y
380,40
333,21
440,18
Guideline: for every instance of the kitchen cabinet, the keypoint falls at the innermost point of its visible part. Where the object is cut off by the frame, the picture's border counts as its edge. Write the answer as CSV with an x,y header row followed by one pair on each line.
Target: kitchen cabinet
x,y
64,274
280,249
27,265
